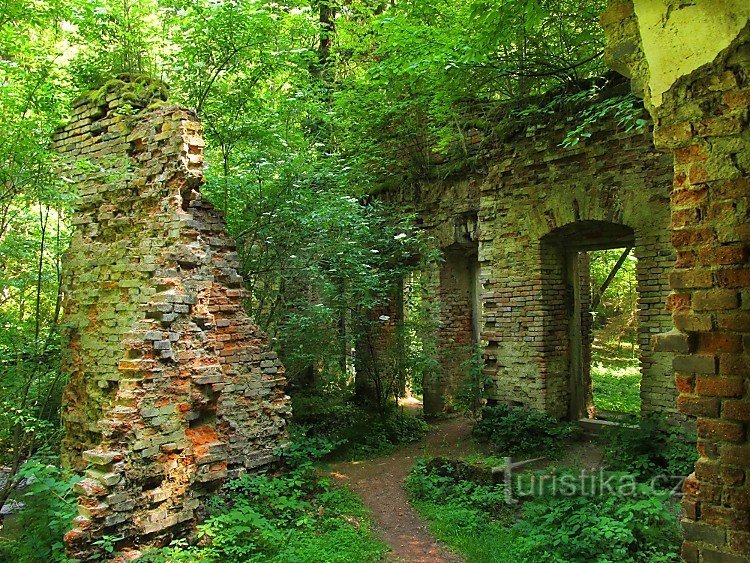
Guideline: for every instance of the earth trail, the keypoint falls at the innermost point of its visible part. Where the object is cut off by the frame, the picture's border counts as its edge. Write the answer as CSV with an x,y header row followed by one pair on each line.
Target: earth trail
x,y
379,482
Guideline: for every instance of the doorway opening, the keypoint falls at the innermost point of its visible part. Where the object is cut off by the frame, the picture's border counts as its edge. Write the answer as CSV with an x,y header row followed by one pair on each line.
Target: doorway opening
x,y
615,366
589,302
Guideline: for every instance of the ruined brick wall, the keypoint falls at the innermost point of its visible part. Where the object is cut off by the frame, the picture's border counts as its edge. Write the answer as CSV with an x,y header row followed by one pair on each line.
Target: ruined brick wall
x,y
448,211
456,336
172,388
538,202
702,120
535,207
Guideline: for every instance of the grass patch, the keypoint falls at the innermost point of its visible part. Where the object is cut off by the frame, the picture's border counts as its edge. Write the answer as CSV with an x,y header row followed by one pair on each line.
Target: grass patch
x,y
617,381
469,532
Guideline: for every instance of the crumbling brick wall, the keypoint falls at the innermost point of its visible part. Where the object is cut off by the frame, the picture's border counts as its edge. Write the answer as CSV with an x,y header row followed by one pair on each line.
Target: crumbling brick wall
x,y
537,203
541,201
702,120
172,388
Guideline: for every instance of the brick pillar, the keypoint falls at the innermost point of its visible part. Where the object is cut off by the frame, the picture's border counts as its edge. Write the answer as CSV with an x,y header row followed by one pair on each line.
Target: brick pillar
x,y
703,120
172,388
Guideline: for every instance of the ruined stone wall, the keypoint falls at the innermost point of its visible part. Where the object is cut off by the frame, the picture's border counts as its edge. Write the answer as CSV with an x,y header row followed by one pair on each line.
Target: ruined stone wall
x,y
172,388
701,111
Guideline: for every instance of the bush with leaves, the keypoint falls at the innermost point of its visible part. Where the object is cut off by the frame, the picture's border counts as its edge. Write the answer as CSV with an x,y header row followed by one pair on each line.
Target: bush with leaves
x,y
601,527
520,430
651,448
48,505
572,521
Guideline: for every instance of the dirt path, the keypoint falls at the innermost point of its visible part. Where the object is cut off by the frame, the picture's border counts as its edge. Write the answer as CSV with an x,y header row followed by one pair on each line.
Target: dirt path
x,y
379,482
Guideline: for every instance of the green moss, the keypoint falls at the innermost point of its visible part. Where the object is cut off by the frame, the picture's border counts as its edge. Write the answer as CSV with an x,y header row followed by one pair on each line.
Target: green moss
x,y
135,89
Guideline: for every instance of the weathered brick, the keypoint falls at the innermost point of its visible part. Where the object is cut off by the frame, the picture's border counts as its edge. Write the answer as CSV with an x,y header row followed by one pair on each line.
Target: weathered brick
x,y
718,342
715,429
698,406
122,260
715,299
716,386
737,277
694,363
690,279
724,255
736,410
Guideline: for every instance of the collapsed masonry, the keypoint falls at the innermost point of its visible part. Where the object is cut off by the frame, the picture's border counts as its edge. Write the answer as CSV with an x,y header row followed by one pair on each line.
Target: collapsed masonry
x,y
172,388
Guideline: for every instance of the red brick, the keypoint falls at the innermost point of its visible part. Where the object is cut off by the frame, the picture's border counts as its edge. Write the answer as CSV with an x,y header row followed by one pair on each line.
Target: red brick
x,y
738,321
673,135
724,255
685,259
730,518
690,279
715,299
689,197
684,383
737,99
736,410
697,174
685,217
698,406
739,541
721,430
733,454
720,210
691,153
732,475
733,278
713,386
734,364
690,507
716,342
706,470
708,449
719,126
690,552
678,302
733,189
736,497
692,237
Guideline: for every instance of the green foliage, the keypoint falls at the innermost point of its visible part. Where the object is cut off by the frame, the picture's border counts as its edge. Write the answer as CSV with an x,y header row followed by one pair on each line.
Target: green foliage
x,y
351,430
35,533
471,393
451,483
652,449
626,109
580,526
579,521
518,430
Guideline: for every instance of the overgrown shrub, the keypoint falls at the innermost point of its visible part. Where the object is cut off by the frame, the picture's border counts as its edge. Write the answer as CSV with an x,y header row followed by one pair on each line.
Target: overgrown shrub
x,y
602,527
35,533
447,482
574,520
520,430
651,449
356,431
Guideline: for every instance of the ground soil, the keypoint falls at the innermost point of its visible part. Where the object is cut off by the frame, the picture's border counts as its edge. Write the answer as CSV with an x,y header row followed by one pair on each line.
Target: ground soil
x,y
379,482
